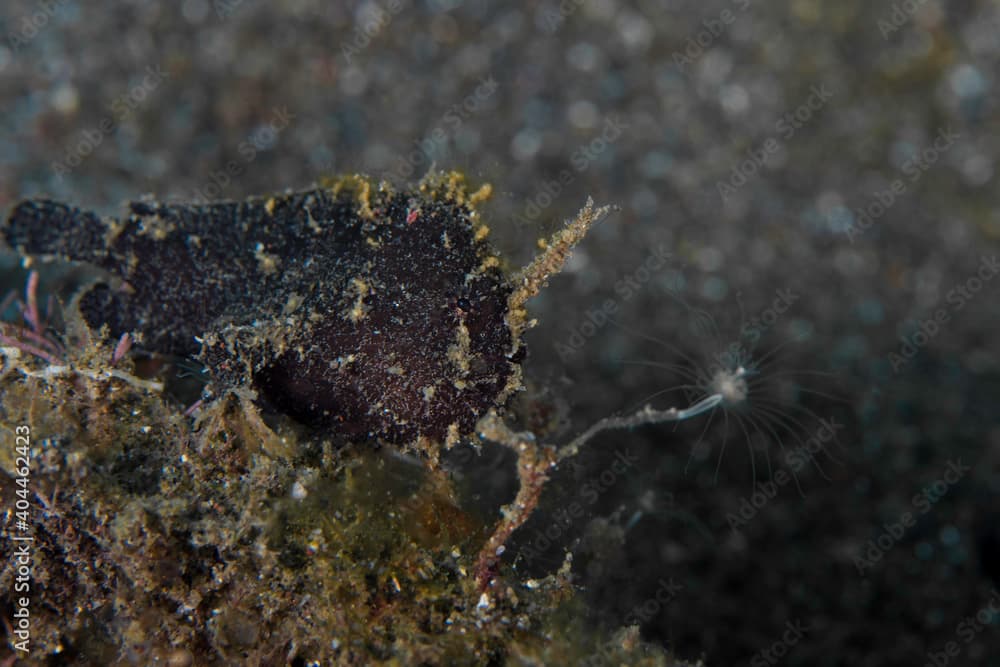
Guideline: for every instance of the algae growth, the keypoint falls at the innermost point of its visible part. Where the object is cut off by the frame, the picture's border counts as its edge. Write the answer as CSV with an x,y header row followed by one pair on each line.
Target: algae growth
x,y
273,529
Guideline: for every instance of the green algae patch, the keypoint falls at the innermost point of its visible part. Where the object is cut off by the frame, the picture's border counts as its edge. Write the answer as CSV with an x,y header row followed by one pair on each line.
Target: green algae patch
x,y
153,547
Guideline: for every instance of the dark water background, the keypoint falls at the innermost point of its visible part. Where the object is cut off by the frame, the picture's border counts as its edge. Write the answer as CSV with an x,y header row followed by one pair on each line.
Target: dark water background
x,y
816,180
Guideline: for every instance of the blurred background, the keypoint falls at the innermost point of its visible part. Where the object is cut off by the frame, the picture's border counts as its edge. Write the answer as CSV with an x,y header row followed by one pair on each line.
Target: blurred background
x,y
805,188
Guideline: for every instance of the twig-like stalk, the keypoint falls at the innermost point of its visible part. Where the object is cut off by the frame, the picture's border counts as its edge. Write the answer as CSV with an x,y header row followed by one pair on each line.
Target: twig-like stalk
x,y
549,262
30,337
22,332
30,349
122,348
31,315
533,464
535,461
647,415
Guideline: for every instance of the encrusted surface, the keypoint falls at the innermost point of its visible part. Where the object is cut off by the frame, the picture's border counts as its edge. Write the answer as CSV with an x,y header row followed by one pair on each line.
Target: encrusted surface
x,y
382,312
156,544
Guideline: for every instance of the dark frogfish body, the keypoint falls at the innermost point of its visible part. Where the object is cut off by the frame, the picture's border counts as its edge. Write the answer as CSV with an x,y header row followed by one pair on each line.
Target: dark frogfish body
x,y
382,313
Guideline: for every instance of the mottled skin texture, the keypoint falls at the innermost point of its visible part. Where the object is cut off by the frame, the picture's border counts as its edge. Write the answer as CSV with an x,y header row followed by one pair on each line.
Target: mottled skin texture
x,y
381,314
